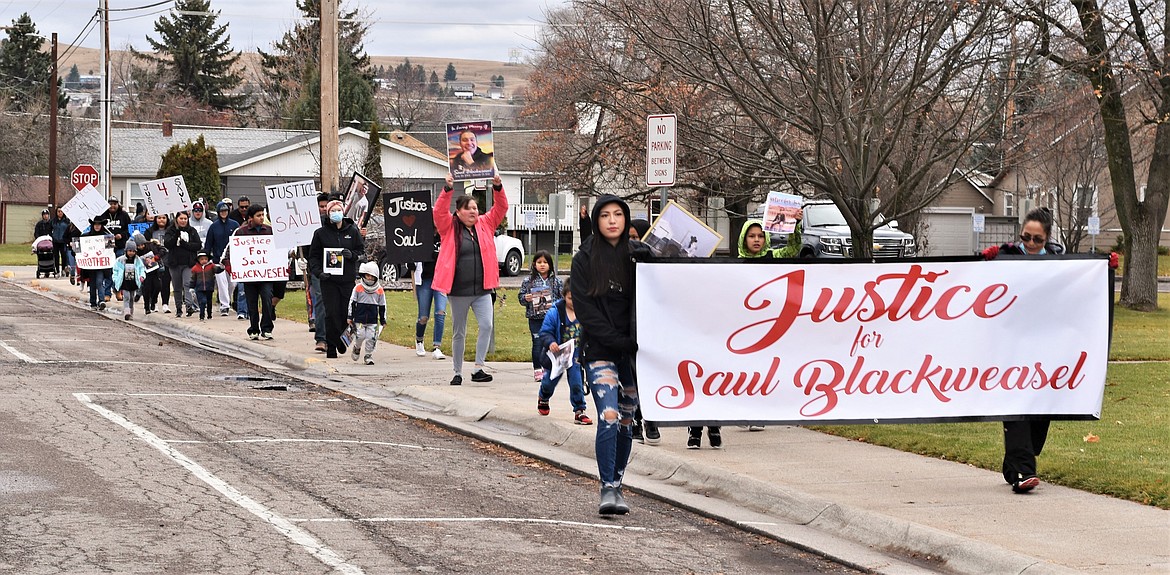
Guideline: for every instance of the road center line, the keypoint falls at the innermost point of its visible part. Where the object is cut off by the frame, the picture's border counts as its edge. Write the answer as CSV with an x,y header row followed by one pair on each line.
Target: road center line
x,y
18,354
213,396
300,440
282,525
467,520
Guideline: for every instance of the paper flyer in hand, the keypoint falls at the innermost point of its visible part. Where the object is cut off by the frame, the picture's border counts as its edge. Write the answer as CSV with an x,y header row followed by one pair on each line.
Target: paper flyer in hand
x,y
562,360
780,212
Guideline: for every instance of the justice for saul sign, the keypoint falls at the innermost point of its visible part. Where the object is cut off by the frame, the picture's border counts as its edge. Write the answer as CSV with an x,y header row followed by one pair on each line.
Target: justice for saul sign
x,y
257,259
293,209
889,342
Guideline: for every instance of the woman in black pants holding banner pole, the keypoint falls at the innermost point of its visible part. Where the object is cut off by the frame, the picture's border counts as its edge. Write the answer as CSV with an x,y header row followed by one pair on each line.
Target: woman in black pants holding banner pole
x,y
336,233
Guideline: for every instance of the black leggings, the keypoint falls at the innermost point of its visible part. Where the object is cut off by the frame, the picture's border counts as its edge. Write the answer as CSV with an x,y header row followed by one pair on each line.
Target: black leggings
x,y
336,298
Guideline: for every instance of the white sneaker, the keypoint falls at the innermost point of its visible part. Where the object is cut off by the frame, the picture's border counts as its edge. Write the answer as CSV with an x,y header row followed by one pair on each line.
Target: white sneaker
x,y
166,308
438,354
419,350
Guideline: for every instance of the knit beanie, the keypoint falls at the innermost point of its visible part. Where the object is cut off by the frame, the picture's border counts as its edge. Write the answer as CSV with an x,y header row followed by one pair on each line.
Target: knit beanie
x,y
131,246
333,204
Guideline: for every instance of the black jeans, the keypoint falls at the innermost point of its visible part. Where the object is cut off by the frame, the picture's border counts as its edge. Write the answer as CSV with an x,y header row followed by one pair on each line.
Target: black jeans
x,y
336,298
261,314
534,324
1022,443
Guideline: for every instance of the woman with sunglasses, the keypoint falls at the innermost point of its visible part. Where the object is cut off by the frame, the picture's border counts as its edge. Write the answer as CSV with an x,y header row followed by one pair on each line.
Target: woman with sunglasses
x,y
1023,440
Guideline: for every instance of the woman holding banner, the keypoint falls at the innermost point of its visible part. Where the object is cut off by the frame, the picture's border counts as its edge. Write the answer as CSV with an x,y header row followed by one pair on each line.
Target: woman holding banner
x,y
603,297
467,270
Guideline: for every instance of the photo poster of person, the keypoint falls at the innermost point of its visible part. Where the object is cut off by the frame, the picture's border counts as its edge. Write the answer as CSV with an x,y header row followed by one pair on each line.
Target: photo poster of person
x,y
780,212
677,233
471,150
334,261
359,200
410,226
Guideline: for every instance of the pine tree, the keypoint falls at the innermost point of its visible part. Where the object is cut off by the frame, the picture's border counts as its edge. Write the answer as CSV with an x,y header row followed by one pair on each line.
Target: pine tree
x,y
372,166
292,76
74,77
199,166
24,67
449,74
195,56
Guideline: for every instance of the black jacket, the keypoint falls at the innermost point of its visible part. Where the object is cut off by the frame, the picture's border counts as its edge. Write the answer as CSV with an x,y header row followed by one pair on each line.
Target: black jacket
x,y
182,253
349,237
117,224
607,321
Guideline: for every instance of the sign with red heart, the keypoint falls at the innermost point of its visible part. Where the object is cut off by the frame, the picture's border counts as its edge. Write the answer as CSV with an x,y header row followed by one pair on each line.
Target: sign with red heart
x,y
410,226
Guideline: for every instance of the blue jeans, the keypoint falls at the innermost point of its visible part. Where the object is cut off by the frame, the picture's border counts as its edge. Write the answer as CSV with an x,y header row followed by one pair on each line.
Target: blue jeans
x,y
318,308
615,393
534,324
98,282
241,299
427,297
576,387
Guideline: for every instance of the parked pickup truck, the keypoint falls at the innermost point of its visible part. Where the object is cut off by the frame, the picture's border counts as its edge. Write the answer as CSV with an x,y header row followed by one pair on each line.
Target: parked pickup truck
x,y
826,235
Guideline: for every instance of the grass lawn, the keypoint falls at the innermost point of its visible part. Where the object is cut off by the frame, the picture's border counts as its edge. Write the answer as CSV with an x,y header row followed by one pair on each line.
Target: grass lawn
x,y
17,255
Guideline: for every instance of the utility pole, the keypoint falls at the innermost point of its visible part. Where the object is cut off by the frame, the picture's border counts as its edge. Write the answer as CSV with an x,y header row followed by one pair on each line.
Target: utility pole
x,y
53,127
330,178
104,176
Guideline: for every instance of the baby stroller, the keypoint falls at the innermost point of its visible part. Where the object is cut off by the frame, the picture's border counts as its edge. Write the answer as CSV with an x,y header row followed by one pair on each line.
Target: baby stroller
x,y
46,264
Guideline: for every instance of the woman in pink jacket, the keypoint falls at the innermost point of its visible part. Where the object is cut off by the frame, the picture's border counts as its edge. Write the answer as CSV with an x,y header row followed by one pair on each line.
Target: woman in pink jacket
x,y
467,270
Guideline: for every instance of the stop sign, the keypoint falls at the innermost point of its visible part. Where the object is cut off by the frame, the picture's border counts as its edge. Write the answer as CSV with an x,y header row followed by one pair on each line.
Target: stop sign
x,y
82,176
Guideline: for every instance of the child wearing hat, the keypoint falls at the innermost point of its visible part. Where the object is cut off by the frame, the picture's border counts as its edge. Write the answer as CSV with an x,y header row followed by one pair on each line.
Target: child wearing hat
x,y
203,282
367,311
129,275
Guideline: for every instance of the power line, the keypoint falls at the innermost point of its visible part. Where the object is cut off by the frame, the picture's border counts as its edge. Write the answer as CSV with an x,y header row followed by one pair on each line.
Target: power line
x,y
72,46
142,7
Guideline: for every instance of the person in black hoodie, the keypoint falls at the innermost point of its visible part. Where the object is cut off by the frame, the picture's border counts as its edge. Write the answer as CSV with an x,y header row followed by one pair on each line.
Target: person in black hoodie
x,y
117,222
183,245
603,294
336,232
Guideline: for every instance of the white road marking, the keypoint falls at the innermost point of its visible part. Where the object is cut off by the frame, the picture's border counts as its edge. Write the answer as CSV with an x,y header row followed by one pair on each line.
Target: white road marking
x,y
282,525
214,396
468,520
20,356
118,362
297,440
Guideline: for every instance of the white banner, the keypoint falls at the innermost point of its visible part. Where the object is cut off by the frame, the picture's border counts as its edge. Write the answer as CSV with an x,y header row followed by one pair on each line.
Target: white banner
x,y
85,204
292,208
868,342
166,195
257,259
97,252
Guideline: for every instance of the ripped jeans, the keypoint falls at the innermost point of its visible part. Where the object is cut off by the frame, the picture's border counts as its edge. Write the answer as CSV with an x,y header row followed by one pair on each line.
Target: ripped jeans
x,y
615,393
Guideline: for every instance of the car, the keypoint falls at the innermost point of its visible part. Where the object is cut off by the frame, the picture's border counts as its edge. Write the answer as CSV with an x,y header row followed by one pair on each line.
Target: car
x,y
510,252
826,234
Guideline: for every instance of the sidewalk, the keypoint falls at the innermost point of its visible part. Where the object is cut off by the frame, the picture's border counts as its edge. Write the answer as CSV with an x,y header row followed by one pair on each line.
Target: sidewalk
x,y
867,506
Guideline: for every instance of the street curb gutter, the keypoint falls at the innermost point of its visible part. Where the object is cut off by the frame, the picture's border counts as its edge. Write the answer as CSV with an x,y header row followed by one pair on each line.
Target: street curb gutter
x,y
859,538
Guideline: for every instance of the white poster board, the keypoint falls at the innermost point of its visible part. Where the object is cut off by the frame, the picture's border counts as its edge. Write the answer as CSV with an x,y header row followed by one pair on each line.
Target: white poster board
x,y
97,252
872,342
84,205
333,263
257,259
292,208
677,233
165,195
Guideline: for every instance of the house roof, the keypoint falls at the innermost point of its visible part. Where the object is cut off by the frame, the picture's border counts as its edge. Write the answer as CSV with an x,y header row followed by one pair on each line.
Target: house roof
x,y
138,152
981,181
311,138
33,190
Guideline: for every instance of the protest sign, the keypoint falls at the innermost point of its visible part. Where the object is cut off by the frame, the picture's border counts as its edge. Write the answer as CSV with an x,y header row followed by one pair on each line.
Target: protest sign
x,y
292,208
677,233
138,228
471,150
359,200
334,261
410,226
96,252
257,259
84,205
780,212
884,342
165,195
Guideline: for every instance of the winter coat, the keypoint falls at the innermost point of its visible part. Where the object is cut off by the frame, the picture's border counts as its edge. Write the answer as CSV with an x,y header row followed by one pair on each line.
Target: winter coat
x,y
485,228
349,237
218,236
138,273
203,276
60,230
606,320
118,224
182,252
43,228
367,305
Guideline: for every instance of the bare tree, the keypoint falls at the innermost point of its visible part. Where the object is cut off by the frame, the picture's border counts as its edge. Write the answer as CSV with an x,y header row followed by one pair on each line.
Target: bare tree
x,y
407,101
1120,50
871,104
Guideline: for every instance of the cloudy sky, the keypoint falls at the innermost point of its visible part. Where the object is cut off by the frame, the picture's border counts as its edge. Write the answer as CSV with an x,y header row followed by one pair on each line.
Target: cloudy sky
x,y
473,29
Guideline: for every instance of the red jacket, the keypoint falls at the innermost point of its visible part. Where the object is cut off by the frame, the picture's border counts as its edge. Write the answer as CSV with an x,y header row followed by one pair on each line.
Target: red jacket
x,y
485,230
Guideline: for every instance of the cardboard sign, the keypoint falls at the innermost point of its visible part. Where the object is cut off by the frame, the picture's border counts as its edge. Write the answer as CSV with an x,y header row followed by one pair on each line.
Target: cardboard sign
x,y
471,150
410,226
96,252
257,259
889,342
84,205
165,195
780,212
292,208
677,233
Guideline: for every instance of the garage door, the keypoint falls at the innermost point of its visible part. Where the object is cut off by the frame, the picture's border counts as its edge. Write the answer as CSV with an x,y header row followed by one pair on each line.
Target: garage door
x,y
948,232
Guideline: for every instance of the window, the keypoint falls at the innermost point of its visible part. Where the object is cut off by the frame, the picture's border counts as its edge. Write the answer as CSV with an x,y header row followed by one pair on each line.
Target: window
x,y
1009,204
1085,202
536,190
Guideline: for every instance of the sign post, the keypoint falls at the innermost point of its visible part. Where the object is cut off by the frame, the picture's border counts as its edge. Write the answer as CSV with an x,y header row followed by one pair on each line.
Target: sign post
x,y
661,141
82,176
1094,230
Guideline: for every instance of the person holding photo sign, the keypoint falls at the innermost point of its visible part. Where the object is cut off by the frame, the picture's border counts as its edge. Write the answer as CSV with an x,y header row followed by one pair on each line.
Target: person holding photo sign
x,y
467,270
337,232
470,157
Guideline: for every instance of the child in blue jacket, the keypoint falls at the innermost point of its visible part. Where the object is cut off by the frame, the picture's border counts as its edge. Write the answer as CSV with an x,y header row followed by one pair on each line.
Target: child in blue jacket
x,y
129,274
559,327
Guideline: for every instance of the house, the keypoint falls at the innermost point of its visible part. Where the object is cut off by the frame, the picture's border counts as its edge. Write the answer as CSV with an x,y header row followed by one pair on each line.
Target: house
x,y
495,93
462,90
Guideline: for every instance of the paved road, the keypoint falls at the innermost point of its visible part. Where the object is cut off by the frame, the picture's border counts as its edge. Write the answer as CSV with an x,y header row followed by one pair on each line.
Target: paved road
x,y
122,451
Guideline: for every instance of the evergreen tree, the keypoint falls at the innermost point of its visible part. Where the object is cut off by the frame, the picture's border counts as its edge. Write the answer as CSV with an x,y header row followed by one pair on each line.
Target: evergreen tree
x,y
199,166
372,166
74,76
433,84
24,67
195,56
292,76
449,75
